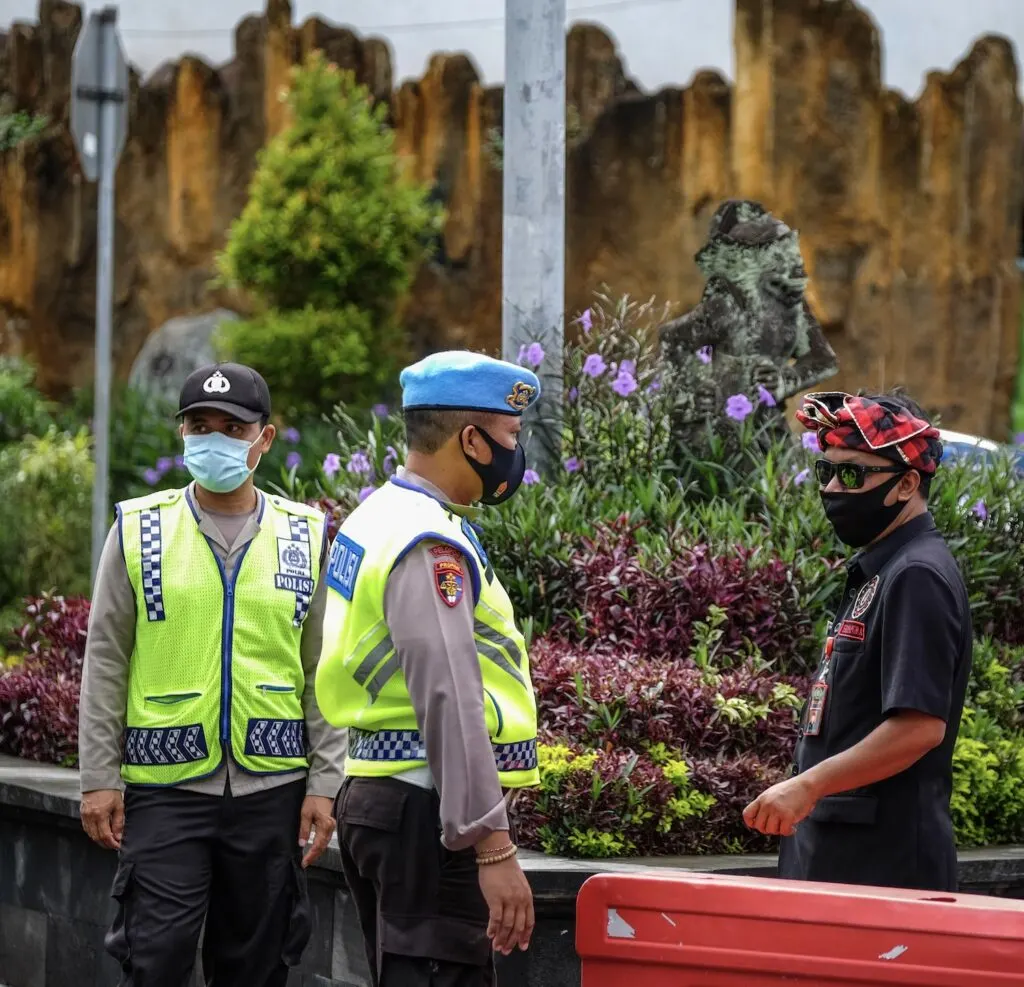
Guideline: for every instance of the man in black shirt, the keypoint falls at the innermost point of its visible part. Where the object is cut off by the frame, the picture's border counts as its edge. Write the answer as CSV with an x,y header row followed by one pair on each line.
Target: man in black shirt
x,y
869,802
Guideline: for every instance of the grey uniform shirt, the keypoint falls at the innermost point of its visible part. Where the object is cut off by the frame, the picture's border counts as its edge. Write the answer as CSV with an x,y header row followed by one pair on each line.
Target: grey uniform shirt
x,y
108,650
437,652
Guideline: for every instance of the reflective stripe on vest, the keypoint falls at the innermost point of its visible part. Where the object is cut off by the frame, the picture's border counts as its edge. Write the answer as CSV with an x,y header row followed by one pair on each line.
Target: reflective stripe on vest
x,y
360,683
216,663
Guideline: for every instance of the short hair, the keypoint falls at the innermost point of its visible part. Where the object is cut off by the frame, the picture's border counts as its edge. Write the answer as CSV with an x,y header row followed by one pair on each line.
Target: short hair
x,y
899,401
428,429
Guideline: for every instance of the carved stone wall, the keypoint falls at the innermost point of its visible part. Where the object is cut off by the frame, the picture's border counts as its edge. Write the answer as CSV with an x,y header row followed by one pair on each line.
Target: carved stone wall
x,y
909,213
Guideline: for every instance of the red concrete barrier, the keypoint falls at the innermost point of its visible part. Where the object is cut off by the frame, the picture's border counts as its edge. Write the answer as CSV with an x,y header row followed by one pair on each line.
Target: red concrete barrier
x,y
683,930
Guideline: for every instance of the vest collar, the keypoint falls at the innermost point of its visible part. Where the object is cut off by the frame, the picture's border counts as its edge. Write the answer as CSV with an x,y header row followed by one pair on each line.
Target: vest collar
x,y
210,529
408,480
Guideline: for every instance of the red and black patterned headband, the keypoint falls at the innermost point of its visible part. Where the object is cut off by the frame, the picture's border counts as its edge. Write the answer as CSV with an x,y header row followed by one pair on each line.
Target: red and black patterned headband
x,y
846,421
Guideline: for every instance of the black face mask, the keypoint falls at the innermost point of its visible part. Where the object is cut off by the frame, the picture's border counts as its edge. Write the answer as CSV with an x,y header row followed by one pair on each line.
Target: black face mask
x,y
859,518
503,474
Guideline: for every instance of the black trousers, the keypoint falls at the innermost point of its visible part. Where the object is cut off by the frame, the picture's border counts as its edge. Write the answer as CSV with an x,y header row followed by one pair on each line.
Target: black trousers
x,y
423,916
235,862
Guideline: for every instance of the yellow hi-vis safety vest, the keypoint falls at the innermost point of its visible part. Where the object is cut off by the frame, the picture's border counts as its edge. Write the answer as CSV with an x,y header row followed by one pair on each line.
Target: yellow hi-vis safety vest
x,y
216,665
359,682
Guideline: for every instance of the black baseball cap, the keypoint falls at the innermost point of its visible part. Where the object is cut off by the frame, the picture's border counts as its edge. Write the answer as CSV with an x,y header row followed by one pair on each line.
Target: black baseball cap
x,y
229,387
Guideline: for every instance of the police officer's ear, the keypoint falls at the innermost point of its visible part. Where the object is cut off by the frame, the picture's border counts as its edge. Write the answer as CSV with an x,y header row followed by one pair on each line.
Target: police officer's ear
x,y
267,437
473,444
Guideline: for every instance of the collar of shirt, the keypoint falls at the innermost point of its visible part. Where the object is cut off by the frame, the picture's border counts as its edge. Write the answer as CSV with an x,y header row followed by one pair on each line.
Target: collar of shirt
x,y
209,528
871,561
415,480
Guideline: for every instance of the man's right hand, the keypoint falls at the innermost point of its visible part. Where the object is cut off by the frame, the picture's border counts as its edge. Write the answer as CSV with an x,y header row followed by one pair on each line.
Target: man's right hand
x,y
510,901
103,817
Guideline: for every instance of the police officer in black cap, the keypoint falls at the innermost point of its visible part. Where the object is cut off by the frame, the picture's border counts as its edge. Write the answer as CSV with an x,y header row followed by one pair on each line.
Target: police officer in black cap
x,y
198,705
869,803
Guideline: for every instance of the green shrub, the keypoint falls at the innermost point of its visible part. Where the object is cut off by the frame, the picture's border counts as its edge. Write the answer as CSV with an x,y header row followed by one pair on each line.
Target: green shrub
x,y
46,490
327,245
20,128
23,410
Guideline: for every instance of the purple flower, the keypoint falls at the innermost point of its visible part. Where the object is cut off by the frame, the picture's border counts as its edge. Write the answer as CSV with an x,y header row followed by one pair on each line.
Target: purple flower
x,y
522,354
380,410
802,477
629,367
293,460
594,365
388,466
1018,439
765,396
332,463
530,477
738,407
654,386
704,355
586,320
980,511
574,393
624,384
359,462
572,465
535,355
810,442
179,461
151,476
291,435
164,464
365,492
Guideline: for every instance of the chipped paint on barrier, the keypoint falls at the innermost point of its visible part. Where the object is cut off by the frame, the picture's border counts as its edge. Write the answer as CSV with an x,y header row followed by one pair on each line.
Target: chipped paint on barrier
x,y
895,953
618,927
667,919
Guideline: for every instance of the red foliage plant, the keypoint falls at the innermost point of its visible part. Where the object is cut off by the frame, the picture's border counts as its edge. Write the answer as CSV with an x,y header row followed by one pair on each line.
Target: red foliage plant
x,y
652,611
39,697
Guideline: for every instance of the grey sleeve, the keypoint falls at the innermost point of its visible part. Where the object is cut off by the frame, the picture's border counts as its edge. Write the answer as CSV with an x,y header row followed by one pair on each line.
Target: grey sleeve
x,y
437,653
109,643
327,744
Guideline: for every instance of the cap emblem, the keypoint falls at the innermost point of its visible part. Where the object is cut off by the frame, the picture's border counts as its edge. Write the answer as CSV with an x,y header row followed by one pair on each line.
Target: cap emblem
x,y
522,394
216,383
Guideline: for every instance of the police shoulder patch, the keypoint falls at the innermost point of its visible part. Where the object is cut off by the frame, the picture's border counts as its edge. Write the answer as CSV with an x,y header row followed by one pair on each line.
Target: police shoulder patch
x,y
450,581
443,549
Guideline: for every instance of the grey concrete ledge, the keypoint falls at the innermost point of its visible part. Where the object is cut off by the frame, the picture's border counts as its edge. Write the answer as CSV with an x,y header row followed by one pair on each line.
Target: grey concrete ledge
x,y
51,790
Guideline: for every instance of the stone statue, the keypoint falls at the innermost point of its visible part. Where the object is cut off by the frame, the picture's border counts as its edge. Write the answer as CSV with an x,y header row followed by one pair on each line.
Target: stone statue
x,y
752,334
173,351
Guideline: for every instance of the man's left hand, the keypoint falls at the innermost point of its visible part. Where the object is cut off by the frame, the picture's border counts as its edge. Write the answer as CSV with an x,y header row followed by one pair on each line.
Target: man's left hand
x,y
316,816
777,811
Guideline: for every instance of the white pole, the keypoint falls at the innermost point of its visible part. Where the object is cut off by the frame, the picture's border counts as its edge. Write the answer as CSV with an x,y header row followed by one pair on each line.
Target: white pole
x,y
533,232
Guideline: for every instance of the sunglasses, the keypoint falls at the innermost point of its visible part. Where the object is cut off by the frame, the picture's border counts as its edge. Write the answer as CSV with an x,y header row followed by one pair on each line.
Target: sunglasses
x,y
851,475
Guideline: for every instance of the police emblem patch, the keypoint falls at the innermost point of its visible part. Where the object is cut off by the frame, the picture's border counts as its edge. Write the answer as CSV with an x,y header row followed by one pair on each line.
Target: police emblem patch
x,y
522,394
864,599
450,581
293,564
216,383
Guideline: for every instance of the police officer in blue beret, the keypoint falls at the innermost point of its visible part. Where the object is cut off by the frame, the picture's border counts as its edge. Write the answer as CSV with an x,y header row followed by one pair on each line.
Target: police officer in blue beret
x,y
423,662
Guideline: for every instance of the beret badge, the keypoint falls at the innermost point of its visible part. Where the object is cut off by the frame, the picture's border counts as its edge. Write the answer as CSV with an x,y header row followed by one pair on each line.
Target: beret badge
x,y
522,394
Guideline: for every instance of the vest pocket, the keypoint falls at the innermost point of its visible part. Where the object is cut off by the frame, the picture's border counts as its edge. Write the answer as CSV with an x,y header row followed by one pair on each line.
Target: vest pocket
x,y
274,687
170,698
497,713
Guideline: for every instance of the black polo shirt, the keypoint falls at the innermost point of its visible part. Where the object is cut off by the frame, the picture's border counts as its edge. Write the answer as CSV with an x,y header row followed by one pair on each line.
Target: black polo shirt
x,y
901,640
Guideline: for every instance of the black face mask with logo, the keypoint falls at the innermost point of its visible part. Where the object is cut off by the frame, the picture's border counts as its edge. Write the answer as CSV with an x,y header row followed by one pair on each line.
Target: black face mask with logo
x,y
859,518
503,475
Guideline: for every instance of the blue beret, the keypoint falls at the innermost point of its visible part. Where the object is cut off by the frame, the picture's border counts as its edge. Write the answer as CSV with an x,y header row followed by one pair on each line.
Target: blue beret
x,y
461,380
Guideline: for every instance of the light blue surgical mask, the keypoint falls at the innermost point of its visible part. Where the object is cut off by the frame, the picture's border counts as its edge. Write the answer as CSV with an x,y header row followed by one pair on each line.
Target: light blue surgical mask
x,y
218,463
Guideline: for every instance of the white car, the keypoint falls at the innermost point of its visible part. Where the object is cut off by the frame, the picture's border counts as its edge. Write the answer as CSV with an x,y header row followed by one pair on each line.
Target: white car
x,y
959,445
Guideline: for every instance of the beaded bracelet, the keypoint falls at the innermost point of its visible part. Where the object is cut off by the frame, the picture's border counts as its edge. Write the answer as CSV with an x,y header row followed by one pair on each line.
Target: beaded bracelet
x,y
501,849
497,858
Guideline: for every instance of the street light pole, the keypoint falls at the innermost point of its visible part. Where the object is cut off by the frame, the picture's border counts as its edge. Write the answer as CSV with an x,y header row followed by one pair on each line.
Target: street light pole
x,y
533,230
